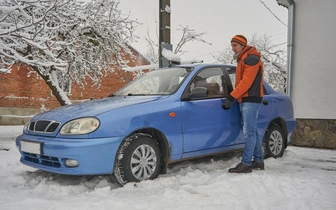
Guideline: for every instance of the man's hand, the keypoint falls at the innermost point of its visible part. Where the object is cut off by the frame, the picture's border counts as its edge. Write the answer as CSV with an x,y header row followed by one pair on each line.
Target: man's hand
x,y
227,102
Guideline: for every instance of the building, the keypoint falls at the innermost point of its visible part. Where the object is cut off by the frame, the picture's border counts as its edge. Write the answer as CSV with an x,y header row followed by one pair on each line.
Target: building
x,y
312,71
24,94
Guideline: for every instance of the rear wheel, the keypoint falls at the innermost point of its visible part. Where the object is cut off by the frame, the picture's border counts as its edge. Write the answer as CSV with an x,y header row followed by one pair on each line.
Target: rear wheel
x,y
274,142
137,159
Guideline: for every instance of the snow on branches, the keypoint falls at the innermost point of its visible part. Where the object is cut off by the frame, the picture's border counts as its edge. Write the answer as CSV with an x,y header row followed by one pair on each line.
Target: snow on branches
x,y
67,38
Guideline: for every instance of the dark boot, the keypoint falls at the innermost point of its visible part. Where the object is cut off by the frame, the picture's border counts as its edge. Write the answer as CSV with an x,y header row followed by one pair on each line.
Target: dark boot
x,y
241,168
258,165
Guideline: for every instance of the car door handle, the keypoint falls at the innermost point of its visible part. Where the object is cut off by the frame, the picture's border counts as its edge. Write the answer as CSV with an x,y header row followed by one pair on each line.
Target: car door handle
x,y
265,102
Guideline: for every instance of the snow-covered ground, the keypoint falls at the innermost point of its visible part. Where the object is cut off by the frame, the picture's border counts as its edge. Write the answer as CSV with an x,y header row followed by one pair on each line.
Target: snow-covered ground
x,y
304,178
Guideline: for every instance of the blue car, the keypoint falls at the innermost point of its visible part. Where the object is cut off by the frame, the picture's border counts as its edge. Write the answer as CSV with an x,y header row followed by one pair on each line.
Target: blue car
x,y
165,116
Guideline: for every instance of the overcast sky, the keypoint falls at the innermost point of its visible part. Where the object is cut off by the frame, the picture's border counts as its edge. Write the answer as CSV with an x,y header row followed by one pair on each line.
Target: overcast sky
x,y
221,19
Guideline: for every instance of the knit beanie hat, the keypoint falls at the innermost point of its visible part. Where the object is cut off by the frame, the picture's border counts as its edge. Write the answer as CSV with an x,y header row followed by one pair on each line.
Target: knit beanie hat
x,y
240,39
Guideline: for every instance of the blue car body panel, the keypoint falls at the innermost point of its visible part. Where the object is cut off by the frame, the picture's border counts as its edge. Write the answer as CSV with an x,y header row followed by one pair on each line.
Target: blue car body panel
x,y
192,128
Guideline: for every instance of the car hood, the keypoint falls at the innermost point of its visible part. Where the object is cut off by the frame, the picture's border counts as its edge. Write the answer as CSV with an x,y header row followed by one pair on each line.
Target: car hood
x,y
94,107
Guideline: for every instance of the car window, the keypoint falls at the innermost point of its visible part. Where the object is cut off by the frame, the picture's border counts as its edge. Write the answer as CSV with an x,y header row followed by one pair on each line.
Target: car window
x,y
212,79
232,74
160,81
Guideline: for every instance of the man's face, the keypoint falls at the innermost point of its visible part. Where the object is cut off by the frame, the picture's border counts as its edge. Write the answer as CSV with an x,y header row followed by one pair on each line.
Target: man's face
x,y
236,48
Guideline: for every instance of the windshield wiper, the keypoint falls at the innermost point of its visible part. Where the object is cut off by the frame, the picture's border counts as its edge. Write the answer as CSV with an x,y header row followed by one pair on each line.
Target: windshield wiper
x,y
131,94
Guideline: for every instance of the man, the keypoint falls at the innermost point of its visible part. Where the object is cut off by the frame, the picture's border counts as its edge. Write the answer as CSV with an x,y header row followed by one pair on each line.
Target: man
x,y
248,92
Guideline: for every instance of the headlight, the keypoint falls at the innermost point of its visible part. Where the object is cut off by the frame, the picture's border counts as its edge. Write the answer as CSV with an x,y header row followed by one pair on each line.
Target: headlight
x,y
80,126
26,126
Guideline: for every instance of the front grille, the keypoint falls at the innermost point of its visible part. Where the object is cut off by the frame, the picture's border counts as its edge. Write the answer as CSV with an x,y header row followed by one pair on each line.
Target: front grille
x,y
41,125
44,126
42,159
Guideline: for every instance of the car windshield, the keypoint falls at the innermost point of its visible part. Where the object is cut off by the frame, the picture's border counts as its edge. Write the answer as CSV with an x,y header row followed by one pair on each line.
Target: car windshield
x,y
160,81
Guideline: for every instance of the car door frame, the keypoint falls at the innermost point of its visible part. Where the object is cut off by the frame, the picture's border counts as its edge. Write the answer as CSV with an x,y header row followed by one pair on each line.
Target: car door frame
x,y
214,133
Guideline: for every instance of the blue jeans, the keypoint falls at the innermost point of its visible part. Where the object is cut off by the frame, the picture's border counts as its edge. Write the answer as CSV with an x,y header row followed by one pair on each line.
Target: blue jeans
x,y
253,144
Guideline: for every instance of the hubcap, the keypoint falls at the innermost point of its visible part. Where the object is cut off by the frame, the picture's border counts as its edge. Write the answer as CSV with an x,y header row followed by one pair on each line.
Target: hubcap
x,y
276,142
143,162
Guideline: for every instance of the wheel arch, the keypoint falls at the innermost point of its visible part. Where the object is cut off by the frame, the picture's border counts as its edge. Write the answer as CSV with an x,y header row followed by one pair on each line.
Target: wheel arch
x,y
162,141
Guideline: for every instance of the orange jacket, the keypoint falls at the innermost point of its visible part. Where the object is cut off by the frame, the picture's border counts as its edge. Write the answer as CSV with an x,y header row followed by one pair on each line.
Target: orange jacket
x,y
249,76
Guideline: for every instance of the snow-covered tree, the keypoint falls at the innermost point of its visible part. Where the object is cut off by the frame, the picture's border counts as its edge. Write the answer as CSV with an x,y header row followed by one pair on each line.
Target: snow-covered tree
x,y
153,47
273,57
188,35
224,56
64,39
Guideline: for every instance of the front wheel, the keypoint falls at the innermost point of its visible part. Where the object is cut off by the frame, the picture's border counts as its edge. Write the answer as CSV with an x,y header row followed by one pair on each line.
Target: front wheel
x,y
138,158
274,142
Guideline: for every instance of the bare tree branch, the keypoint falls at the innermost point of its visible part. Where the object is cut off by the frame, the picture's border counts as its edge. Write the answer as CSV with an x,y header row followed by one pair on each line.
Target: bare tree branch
x,y
65,39
188,35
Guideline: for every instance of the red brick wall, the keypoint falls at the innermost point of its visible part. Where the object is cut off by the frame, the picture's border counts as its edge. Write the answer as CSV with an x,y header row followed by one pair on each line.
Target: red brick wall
x,y
21,89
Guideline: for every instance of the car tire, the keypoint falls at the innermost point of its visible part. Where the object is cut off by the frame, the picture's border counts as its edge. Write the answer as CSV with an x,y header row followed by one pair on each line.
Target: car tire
x,y
138,158
274,142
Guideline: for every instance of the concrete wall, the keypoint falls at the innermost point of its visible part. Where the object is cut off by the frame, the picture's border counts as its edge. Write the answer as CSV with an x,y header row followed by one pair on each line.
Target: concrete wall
x,y
314,71
16,116
313,87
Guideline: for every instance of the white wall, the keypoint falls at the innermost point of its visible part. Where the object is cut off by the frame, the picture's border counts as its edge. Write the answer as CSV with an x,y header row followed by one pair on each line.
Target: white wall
x,y
314,71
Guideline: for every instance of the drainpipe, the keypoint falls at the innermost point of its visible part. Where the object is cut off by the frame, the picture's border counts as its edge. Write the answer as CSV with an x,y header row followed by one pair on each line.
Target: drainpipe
x,y
290,4
290,54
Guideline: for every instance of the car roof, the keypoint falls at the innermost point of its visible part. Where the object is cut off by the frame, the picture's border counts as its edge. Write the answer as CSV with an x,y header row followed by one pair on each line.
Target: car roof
x,y
200,65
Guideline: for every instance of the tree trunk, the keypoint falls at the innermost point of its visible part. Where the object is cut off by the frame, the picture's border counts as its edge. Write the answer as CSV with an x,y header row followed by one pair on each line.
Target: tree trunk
x,y
56,93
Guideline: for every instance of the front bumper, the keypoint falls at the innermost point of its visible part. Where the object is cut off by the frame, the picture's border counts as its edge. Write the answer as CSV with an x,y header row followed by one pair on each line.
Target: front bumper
x,y
95,156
